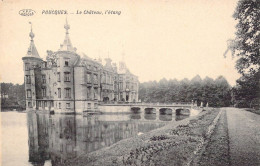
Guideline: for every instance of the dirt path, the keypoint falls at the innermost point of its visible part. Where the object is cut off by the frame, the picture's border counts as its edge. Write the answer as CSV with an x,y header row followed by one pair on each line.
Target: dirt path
x,y
235,140
244,137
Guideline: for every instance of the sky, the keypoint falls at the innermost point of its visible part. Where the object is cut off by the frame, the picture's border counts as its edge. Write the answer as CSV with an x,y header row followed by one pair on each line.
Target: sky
x,y
159,39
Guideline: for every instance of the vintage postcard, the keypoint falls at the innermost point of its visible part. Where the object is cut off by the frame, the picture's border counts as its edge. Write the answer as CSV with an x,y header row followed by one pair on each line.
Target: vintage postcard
x,y
129,82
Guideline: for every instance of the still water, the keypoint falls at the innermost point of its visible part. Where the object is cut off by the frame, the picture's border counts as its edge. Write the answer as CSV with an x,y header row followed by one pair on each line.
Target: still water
x,y
43,139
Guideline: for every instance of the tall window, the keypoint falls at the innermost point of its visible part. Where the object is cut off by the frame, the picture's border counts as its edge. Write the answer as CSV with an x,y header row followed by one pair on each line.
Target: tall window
x,y
28,79
121,96
28,93
27,66
67,92
103,78
59,93
89,92
58,76
88,78
110,79
120,85
44,79
95,93
95,79
59,105
107,79
29,104
89,105
43,92
66,63
66,76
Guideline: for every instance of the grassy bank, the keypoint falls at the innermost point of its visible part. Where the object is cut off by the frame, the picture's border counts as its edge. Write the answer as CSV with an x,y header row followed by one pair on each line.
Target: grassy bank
x,y
173,144
216,151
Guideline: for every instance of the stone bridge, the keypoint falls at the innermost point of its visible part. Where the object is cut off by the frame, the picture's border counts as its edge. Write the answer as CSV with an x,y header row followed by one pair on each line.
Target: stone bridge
x,y
150,108
162,108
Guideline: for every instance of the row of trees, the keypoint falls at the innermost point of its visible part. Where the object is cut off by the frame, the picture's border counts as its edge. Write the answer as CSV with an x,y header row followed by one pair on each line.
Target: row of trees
x,y
12,96
215,92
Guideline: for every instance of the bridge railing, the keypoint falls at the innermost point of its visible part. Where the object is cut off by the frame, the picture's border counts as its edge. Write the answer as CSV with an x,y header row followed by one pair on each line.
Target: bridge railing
x,y
144,103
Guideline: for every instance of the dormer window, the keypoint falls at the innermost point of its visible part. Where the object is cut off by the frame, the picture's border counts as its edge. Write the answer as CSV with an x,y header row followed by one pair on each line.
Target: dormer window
x,y
66,63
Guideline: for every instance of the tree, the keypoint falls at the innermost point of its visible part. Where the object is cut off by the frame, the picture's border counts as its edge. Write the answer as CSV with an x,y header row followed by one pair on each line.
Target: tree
x,y
247,91
215,92
246,47
12,95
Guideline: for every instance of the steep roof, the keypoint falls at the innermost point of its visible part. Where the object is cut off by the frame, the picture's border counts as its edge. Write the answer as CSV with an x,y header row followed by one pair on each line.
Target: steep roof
x,y
32,51
67,46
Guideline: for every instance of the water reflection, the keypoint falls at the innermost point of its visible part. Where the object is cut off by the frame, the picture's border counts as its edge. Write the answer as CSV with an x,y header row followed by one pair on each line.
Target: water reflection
x,y
135,116
164,117
57,138
181,117
150,116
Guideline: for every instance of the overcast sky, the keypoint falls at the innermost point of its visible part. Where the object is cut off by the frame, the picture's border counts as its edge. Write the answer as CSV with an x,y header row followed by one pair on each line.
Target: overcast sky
x,y
161,39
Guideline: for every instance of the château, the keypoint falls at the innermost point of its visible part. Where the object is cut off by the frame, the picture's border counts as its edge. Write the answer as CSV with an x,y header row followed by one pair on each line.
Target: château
x,y
72,82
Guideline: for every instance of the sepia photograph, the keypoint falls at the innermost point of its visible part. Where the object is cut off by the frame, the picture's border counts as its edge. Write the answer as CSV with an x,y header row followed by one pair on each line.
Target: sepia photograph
x,y
118,83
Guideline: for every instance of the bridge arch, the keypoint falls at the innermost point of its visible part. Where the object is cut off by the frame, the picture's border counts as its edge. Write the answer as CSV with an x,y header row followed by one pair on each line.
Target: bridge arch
x,y
136,109
167,111
182,111
150,110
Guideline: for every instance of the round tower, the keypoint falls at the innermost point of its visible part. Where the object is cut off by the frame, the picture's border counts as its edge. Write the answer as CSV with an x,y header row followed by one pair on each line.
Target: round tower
x,y
32,62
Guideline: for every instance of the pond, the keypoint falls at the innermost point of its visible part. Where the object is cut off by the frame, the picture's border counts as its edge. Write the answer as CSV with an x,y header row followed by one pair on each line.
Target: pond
x,y
44,139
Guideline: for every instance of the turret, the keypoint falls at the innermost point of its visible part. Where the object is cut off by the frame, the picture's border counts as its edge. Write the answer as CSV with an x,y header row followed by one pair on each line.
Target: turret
x,y
67,46
31,62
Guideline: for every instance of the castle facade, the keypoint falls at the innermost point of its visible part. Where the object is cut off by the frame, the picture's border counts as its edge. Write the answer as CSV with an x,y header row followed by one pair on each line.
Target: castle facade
x,y
71,82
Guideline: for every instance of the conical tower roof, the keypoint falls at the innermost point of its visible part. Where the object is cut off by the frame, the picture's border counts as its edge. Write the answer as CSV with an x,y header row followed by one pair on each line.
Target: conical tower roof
x,y
67,46
32,51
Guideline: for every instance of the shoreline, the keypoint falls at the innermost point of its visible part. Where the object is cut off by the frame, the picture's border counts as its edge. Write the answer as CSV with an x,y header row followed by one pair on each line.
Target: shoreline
x,y
173,144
